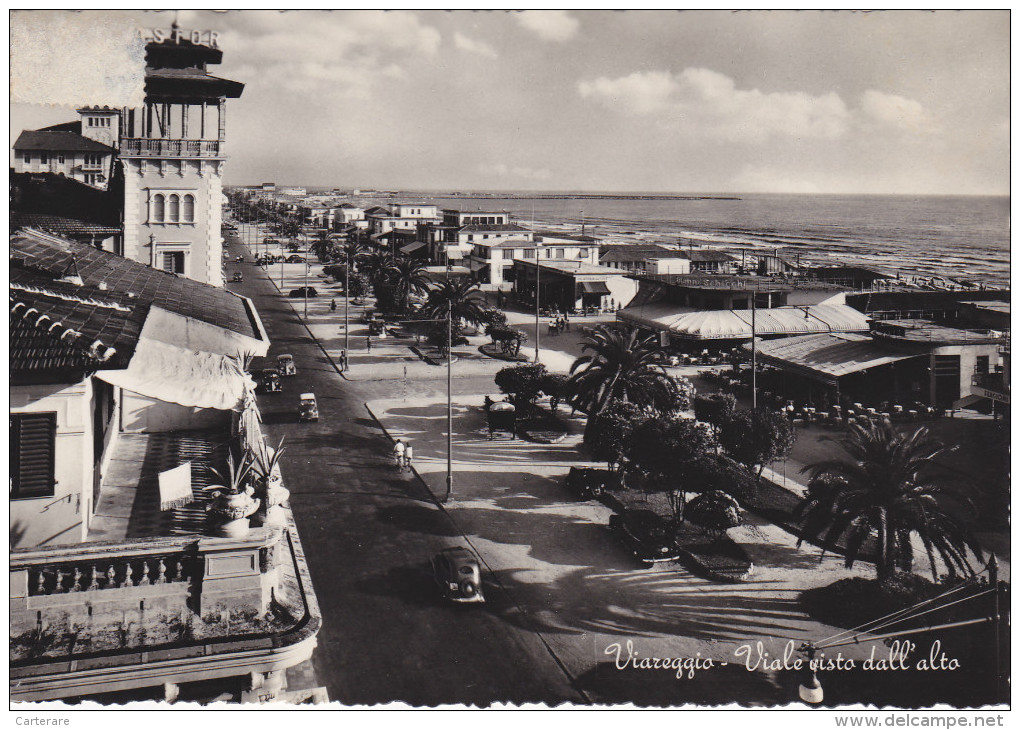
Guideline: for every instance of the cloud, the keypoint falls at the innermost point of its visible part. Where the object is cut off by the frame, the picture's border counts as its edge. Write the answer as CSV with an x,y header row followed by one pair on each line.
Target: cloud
x,y
703,102
503,170
549,25
895,111
471,46
331,53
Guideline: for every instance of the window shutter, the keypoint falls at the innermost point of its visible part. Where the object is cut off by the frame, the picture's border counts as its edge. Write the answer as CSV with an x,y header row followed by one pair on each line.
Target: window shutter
x,y
32,454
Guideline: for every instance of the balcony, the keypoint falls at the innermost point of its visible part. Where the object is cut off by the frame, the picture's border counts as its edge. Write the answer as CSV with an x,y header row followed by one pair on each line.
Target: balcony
x,y
142,147
154,600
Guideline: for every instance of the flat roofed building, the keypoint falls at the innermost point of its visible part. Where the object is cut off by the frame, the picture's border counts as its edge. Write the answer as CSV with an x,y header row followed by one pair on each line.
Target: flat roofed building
x,y
572,285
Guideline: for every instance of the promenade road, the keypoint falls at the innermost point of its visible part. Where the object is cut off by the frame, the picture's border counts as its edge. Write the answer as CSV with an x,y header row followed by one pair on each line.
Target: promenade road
x,y
386,634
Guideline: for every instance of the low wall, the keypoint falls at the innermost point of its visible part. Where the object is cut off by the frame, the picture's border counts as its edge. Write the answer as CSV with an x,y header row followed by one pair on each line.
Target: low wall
x,y
97,596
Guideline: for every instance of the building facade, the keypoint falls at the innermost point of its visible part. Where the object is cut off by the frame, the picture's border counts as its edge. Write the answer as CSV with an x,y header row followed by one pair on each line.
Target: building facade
x,y
173,151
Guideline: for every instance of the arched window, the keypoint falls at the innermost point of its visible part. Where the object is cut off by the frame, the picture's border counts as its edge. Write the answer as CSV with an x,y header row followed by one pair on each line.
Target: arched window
x,y
157,208
174,209
188,209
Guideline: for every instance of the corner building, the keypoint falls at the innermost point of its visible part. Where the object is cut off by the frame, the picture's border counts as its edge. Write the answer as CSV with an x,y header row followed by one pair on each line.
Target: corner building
x,y
173,151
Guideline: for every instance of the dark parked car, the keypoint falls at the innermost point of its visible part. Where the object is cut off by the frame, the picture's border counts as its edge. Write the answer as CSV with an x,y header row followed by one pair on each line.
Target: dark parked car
x,y
647,535
295,259
458,576
238,276
301,292
268,381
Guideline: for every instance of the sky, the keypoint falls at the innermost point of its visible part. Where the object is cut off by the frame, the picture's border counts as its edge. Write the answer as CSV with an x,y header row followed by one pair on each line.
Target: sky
x,y
897,102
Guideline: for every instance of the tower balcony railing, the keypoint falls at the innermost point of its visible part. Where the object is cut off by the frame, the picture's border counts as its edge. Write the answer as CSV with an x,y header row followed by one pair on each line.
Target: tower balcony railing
x,y
144,147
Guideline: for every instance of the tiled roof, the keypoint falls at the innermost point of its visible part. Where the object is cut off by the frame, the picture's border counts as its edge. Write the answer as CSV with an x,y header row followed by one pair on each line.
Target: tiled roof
x,y
37,259
60,225
56,328
59,142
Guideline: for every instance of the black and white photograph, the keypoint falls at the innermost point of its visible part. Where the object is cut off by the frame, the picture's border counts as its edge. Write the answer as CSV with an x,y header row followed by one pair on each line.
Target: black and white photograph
x,y
505,359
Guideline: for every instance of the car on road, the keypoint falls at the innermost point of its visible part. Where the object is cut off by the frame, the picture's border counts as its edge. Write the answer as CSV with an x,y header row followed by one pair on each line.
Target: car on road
x,y
302,291
285,364
647,535
268,381
295,259
308,407
458,575
238,276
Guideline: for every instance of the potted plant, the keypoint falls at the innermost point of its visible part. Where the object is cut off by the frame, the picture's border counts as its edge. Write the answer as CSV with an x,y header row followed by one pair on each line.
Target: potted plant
x,y
269,485
232,502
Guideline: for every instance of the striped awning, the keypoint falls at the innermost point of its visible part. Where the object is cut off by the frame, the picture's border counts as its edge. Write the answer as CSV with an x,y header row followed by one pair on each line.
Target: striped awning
x,y
736,324
828,357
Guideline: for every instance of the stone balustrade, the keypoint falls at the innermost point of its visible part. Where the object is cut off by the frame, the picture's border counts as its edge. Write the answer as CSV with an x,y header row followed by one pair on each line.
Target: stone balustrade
x,y
143,581
170,147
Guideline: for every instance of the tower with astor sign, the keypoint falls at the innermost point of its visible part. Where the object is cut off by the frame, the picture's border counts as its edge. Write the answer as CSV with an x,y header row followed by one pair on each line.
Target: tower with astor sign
x,y
173,152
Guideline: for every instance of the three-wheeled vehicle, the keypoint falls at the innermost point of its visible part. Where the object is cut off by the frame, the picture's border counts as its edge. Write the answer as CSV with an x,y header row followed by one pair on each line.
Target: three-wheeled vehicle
x,y
269,381
285,364
308,409
237,276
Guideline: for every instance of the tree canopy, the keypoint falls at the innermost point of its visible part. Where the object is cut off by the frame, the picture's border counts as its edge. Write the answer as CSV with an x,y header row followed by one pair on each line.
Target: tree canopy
x,y
891,487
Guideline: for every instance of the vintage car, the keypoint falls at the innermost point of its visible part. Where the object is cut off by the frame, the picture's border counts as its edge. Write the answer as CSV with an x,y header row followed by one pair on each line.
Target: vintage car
x,y
295,259
646,534
308,408
458,575
237,276
376,327
268,381
303,291
285,364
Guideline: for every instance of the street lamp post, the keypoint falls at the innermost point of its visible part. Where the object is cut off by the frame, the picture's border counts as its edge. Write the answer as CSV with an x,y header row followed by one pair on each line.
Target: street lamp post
x,y
306,290
449,392
347,304
538,269
449,400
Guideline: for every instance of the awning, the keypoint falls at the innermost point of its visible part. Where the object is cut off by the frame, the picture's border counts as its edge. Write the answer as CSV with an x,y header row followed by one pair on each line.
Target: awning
x,y
477,265
653,316
188,378
736,324
412,247
594,287
828,357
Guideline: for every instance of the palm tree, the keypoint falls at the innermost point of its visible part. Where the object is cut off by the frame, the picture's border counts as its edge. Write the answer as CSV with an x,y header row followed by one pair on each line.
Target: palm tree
x,y
324,246
354,250
623,365
890,489
408,277
459,295
378,266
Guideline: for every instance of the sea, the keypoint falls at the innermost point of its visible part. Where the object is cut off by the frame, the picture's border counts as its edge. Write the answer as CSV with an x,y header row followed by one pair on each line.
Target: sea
x,y
963,238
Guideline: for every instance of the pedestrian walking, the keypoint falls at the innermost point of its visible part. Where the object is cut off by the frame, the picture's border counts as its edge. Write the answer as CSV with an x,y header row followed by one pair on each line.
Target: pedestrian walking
x,y
332,305
343,361
409,457
399,453
566,322
368,342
